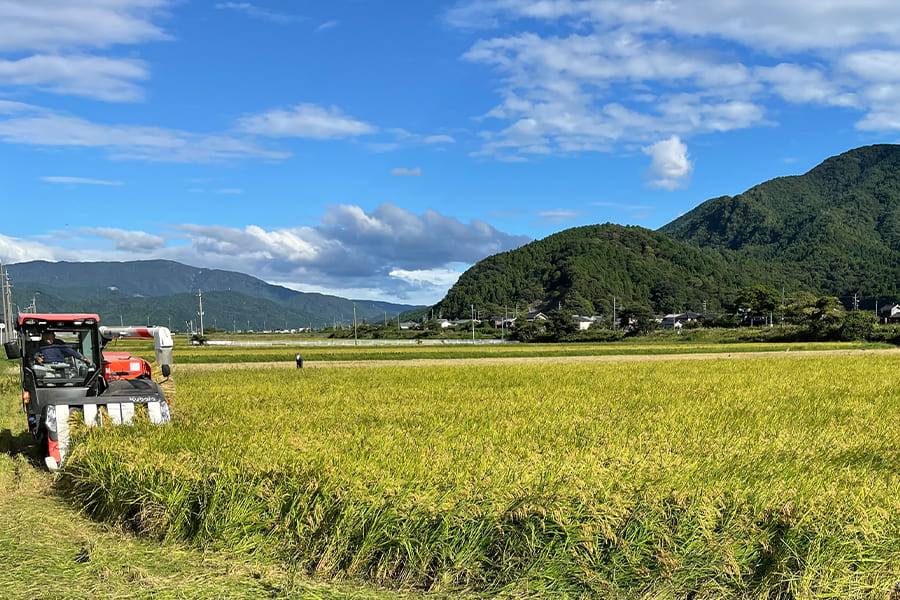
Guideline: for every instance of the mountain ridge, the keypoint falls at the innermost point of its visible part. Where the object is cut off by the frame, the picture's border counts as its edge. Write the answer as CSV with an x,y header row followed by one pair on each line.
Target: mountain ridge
x,y
834,230
120,288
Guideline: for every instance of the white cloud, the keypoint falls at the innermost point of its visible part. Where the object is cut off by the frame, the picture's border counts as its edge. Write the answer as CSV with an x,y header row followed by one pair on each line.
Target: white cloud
x,y
439,139
79,180
53,45
401,172
768,25
874,65
559,215
8,107
670,165
105,79
129,241
54,25
587,93
389,253
305,121
14,250
259,12
618,72
438,277
131,141
328,25
622,206
230,191
804,85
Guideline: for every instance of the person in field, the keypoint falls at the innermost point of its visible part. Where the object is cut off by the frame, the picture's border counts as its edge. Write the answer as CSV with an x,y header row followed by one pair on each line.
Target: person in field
x,y
52,350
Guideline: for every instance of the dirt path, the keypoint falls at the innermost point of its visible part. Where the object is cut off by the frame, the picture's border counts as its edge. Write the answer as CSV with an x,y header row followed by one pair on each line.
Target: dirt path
x,y
522,360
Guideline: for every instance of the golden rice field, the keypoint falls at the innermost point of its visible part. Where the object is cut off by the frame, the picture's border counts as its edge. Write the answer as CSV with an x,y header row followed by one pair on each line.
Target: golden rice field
x,y
743,478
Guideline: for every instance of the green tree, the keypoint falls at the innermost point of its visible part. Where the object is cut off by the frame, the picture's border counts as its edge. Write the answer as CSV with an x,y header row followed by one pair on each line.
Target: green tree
x,y
858,325
562,323
638,320
757,300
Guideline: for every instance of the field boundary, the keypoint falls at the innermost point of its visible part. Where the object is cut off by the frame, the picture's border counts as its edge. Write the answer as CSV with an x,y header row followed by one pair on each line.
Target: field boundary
x,y
536,360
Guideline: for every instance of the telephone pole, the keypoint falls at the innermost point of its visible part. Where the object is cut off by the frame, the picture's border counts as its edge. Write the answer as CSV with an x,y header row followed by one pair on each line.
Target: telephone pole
x,y
5,300
200,313
614,313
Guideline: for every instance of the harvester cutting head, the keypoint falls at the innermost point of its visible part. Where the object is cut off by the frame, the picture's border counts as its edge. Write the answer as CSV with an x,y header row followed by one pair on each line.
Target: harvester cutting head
x,y
63,372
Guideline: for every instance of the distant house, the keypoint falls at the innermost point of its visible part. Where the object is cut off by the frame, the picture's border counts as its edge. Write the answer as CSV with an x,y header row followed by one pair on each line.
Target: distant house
x,y
585,323
890,313
536,316
406,325
498,322
679,320
462,322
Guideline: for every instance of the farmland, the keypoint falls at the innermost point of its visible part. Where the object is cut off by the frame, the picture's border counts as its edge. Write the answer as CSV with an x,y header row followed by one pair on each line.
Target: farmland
x,y
737,477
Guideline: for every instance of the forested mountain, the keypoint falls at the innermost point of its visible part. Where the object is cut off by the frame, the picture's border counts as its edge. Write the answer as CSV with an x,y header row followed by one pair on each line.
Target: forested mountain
x,y
834,230
583,268
163,292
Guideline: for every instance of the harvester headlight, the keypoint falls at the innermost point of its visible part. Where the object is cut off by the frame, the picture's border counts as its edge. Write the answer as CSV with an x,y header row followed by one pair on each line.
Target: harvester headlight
x,y
51,418
164,411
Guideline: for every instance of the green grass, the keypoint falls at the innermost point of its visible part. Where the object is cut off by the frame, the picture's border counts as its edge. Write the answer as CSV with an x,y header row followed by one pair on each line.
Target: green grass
x,y
756,478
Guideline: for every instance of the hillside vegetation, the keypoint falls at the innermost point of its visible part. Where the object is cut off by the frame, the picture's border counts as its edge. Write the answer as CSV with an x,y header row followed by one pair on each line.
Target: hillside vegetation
x,y
834,231
583,268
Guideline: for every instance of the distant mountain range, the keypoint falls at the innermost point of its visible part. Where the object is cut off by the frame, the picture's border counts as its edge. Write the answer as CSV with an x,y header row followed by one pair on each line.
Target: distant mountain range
x,y
832,231
163,292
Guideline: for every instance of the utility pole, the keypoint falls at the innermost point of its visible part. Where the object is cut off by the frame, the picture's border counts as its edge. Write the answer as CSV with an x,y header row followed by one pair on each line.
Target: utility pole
x,y
200,313
8,329
473,323
355,340
503,325
614,313
855,303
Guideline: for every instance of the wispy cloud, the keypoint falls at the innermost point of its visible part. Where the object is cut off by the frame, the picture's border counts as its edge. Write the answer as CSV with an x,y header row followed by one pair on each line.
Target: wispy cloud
x,y
622,206
53,46
156,144
328,25
111,80
58,25
128,241
632,72
439,139
401,172
559,215
259,12
230,191
79,180
306,121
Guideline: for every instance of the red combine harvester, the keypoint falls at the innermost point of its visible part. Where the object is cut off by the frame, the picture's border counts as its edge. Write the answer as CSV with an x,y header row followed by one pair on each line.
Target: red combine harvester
x,y
64,370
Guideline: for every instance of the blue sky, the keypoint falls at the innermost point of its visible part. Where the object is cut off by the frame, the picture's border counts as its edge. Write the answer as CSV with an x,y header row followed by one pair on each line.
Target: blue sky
x,y
376,149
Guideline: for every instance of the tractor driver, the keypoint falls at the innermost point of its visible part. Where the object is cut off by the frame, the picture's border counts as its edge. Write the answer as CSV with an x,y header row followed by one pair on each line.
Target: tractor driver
x,y
52,350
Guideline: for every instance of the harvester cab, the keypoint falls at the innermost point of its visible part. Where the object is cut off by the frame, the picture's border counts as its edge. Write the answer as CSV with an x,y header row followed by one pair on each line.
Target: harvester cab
x,y
64,371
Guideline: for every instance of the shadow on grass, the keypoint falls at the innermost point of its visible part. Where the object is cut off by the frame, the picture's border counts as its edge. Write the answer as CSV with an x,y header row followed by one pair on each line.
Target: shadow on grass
x,y
20,444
